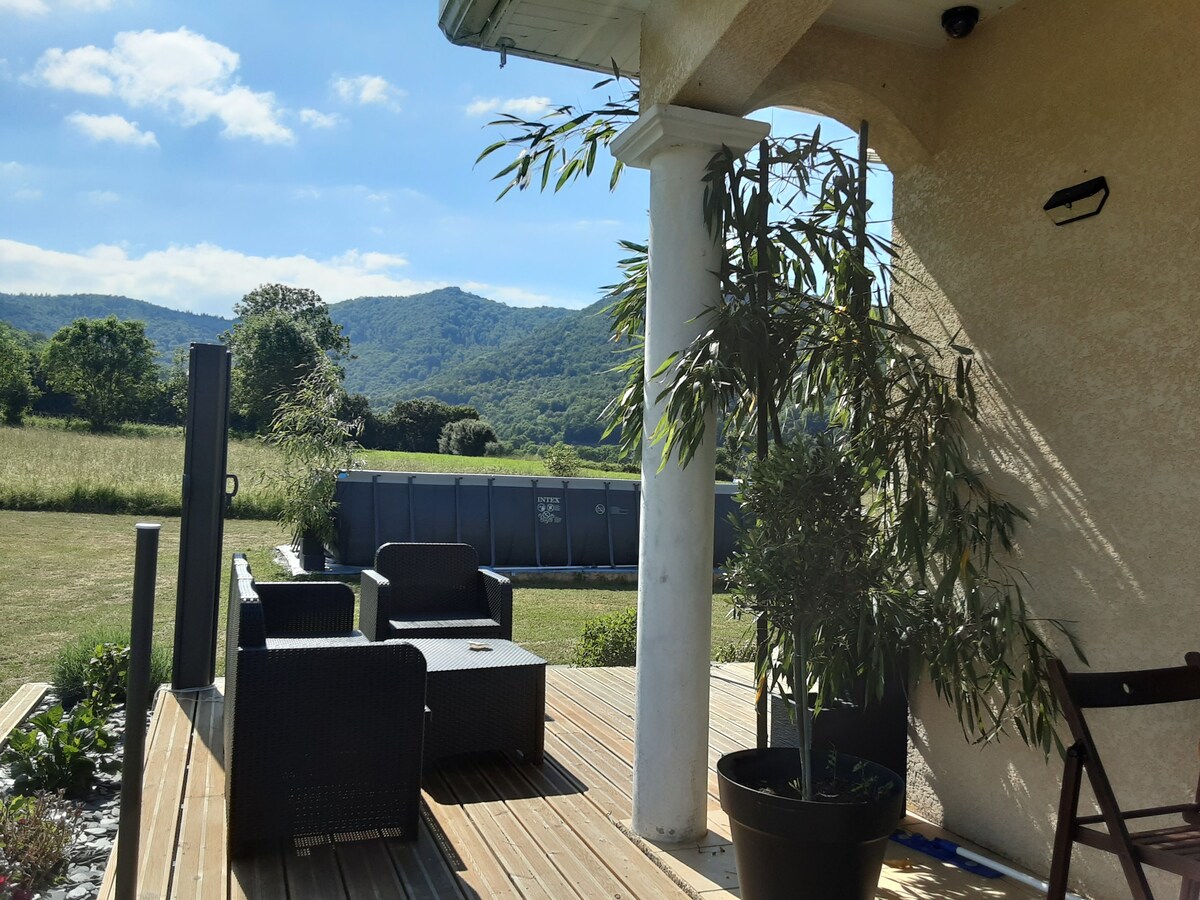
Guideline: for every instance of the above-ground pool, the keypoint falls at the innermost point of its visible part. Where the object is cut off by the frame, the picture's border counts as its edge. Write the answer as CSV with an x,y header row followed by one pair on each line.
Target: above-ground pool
x,y
513,521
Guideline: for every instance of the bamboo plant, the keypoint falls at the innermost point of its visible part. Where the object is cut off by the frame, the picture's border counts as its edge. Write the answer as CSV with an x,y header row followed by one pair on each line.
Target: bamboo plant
x,y
316,444
810,322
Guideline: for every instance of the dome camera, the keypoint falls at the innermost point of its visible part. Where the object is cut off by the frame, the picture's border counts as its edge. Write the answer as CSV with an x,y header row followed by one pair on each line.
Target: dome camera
x,y
959,21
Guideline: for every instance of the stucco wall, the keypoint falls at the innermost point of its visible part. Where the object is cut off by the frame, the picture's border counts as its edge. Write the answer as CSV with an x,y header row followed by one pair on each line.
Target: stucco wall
x,y
1088,335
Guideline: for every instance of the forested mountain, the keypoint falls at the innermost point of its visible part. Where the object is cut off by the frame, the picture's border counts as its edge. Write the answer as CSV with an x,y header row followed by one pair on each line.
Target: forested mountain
x,y
551,384
401,342
44,314
540,374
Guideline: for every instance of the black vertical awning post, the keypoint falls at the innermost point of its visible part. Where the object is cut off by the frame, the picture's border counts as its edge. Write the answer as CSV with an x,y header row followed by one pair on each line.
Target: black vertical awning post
x,y
137,698
206,447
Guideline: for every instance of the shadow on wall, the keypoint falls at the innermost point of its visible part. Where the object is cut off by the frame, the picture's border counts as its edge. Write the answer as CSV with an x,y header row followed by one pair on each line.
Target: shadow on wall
x,y
1090,556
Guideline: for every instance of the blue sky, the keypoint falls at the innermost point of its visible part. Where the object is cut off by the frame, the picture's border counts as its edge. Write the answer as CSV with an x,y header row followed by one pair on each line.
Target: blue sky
x,y
183,153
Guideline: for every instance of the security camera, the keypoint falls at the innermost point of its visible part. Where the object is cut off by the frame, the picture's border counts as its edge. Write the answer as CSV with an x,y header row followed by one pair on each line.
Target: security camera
x,y
959,21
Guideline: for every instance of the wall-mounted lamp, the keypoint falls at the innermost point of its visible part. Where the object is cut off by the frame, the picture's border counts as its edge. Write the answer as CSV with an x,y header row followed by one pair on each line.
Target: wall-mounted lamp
x,y
1079,201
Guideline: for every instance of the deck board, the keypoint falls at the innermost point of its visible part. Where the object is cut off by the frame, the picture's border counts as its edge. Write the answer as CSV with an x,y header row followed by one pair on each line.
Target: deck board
x,y
492,826
313,874
200,863
423,870
259,877
19,705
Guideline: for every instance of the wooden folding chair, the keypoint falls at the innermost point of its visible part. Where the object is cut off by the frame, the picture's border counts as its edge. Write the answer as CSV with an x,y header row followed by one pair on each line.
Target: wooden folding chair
x,y
1174,848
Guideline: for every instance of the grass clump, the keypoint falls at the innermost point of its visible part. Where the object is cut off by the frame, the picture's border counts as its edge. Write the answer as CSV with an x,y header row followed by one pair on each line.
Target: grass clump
x,y
609,640
96,664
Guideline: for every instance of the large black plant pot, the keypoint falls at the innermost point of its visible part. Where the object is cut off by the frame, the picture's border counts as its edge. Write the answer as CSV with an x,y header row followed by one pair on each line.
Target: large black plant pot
x,y
789,849
312,553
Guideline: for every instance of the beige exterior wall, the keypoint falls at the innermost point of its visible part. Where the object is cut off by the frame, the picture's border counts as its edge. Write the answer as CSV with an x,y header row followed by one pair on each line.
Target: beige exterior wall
x,y
1088,335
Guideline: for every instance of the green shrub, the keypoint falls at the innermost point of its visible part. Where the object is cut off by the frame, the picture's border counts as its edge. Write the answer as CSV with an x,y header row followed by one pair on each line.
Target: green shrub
x,y
562,460
73,669
496,448
106,675
608,640
735,651
466,437
60,752
35,833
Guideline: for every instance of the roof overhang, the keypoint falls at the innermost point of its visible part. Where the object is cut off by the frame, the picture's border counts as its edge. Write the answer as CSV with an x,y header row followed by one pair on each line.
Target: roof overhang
x,y
586,34
593,34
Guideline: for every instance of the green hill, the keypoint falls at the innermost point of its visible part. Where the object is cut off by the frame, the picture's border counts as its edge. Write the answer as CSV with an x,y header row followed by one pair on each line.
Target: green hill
x,y
44,314
540,374
401,342
551,384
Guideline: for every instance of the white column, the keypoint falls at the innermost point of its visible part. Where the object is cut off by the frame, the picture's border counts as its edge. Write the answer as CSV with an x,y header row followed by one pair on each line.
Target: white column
x,y
675,565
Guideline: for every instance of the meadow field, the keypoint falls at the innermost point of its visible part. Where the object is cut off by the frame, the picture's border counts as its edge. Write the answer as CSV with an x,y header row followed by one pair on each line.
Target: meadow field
x,y
138,470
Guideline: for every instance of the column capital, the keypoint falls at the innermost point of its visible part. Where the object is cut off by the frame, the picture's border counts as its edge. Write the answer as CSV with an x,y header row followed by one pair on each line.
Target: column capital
x,y
662,126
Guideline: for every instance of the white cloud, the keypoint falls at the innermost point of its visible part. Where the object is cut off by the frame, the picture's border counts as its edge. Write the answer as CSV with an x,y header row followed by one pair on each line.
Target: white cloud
x,y
24,7
368,90
513,296
113,128
181,73
316,119
27,194
11,169
103,198
518,106
210,279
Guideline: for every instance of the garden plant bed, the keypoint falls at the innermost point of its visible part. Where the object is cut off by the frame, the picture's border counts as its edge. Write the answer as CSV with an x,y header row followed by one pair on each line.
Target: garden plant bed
x,y
87,856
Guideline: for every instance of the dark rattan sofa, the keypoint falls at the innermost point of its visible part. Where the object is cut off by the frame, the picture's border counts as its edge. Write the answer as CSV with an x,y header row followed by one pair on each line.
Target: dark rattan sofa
x,y
313,747
433,591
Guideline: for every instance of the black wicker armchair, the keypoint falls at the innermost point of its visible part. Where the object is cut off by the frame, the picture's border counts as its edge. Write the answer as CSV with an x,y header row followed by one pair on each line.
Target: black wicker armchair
x,y
433,590
323,730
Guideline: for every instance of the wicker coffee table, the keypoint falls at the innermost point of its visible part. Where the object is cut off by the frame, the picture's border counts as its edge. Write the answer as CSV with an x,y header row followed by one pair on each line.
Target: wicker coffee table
x,y
483,699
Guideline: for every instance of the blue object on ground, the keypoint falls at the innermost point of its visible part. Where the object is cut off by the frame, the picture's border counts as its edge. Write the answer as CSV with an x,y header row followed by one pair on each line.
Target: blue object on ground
x,y
947,851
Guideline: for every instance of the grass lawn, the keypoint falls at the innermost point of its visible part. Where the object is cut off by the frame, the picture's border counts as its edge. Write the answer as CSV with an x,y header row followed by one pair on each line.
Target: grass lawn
x,y
64,574
548,618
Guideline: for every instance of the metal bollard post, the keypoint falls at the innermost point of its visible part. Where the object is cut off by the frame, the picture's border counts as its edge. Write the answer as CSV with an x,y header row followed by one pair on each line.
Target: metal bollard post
x,y
137,696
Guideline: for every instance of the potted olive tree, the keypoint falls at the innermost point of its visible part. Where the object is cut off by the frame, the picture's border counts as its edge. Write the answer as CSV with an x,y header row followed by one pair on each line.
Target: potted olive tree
x,y
316,444
811,565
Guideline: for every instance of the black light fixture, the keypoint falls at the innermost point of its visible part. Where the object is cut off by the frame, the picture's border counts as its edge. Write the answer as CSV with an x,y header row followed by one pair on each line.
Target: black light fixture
x,y
505,44
959,21
1079,201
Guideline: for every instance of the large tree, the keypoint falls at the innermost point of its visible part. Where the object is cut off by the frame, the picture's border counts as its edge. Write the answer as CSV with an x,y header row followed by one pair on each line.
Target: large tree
x,y
107,364
17,392
281,335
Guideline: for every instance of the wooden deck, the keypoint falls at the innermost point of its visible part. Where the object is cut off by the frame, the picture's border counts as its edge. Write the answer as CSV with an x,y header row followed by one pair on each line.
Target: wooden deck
x,y
492,827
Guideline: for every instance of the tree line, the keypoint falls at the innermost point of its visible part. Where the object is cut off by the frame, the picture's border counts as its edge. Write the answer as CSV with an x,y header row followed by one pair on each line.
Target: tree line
x,y
107,371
